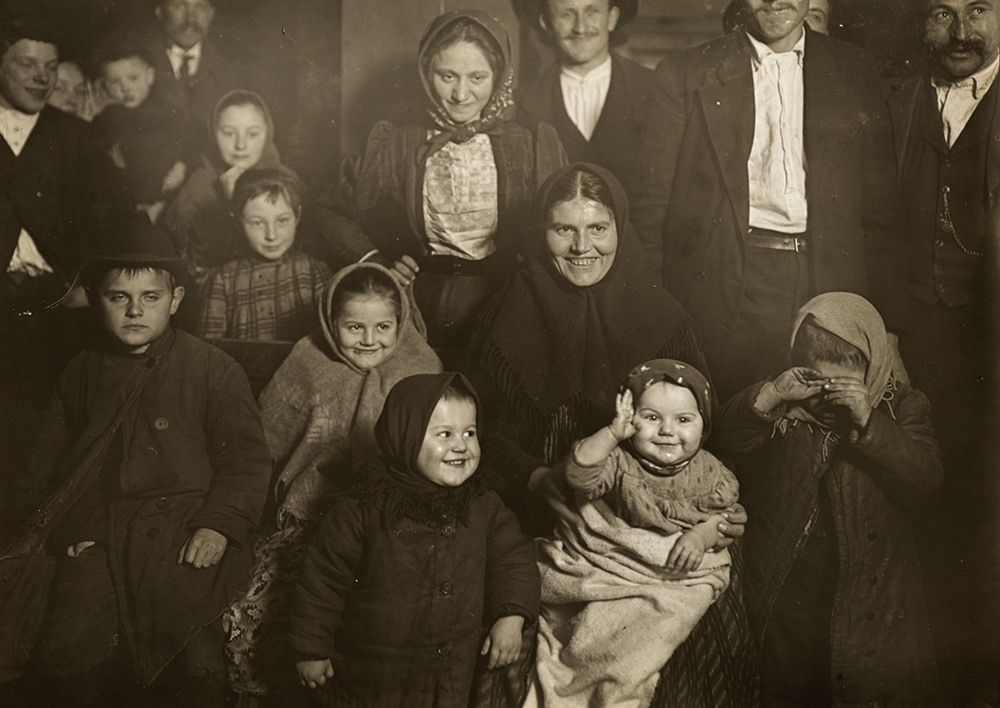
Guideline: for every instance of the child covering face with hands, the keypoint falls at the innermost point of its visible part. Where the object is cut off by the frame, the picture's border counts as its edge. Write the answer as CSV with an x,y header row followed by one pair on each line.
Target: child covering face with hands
x,y
625,581
832,455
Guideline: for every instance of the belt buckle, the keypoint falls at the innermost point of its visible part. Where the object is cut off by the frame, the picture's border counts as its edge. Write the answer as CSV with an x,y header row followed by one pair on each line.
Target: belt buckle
x,y
796,242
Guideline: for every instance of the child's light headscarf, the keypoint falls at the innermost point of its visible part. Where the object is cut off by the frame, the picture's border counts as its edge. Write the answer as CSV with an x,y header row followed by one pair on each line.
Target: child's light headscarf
x,y
856,321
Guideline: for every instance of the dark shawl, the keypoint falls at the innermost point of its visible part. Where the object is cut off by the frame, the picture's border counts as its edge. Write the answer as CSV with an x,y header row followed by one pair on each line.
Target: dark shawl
x,y
392,483
553,345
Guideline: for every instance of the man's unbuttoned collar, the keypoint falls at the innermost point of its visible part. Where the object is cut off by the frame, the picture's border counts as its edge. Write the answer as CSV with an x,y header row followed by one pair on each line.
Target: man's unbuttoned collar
x,y
977,84
598,73
761,51
16,127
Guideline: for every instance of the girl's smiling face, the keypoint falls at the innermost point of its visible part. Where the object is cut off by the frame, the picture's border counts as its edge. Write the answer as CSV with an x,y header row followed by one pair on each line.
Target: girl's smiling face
x,y
668,424
366,330
269,225
450,453
241,134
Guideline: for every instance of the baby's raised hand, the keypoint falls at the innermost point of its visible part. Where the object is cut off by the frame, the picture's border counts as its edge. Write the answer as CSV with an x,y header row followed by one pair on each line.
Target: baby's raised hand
x,y
314,672
504,642
622,426
852,394
798,384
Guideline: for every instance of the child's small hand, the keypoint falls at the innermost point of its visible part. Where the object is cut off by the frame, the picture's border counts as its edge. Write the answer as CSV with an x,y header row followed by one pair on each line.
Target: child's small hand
x,y
504,642
203,549
798,384
622,426
174,177
314,672
687,553
852,394
405,270
75,550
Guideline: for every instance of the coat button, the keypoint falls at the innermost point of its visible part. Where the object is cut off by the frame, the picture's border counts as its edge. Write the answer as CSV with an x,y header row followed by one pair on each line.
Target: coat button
x,y
872,580
945,189
840,677
161,424
700,275
153,533
445,588
448,531
444,650
939,243
717,220
870,617
162,503
872,535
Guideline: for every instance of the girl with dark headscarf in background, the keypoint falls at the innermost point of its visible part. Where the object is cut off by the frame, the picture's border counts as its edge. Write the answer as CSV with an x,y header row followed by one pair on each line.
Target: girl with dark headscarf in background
x,y
444,200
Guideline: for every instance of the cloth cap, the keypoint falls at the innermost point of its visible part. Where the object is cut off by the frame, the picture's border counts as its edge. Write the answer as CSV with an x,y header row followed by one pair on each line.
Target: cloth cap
x,y
137,245
33,28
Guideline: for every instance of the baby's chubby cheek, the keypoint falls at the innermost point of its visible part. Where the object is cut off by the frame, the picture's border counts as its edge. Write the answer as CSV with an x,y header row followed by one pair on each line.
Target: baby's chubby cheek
x,y
637,424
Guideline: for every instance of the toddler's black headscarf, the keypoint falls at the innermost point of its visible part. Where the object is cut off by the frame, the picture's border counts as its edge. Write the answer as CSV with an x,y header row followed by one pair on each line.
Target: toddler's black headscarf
x,y
391,482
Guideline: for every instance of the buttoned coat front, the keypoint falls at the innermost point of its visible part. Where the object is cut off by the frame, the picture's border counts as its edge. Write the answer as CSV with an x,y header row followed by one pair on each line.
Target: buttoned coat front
x,y
194,456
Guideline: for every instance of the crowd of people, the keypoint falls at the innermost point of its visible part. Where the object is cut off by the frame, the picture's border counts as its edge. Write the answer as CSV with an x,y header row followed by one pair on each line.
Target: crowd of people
x,y
619,387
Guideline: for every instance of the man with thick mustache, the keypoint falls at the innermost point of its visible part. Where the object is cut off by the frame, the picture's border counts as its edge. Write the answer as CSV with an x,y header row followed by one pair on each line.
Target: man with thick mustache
x,y
771,181
590,94
946,124
191,72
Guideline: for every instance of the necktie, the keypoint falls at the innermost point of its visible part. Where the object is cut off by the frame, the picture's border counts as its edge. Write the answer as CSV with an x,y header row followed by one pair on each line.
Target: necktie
x,y
186,77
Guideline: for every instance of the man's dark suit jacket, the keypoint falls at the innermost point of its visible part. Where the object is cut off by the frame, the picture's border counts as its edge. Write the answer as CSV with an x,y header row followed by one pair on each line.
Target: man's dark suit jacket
x,y
216,76
615,144
692,210
60,189
971,171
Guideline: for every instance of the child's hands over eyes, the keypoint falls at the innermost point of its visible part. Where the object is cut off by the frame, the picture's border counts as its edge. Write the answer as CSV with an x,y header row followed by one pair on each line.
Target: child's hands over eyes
x,y
314,672
622,426
504,643
852,394
798,384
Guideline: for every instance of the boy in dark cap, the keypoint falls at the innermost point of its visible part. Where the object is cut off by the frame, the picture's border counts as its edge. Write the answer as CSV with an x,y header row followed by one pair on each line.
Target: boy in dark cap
x,y
153,539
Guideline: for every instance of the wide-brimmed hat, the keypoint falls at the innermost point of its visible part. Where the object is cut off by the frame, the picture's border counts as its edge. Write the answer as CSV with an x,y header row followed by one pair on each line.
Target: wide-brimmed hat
x,y
136,245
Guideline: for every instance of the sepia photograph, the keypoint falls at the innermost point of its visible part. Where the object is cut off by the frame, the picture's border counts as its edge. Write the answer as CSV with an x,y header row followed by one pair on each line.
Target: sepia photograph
x,y
500,354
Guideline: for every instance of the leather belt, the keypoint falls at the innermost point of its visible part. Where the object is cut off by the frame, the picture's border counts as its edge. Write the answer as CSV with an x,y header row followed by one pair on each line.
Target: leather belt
x,y
765,238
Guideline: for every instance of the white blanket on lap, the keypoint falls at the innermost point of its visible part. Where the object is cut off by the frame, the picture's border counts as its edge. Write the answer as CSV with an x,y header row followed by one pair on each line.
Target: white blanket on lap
x,y
612,615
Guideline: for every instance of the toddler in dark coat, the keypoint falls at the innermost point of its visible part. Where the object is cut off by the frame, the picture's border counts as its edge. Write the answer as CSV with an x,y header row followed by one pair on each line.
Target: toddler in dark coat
x,y
407,568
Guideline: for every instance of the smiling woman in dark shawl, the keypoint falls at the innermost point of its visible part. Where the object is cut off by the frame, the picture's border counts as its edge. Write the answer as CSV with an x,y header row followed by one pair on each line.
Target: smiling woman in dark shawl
x,y
549,356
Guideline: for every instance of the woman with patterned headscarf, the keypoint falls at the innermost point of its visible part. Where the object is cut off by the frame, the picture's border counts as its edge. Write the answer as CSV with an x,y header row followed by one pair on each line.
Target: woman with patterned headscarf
x,y
445,199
